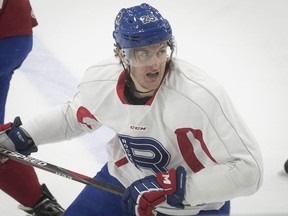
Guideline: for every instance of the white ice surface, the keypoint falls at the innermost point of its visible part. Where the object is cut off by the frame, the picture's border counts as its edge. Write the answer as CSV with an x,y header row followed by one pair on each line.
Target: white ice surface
x,y
242,43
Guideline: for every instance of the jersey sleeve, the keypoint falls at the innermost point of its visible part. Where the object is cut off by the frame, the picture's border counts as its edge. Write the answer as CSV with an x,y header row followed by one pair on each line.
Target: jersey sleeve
x,y
76,117
221,155
62,122
236,172
237,168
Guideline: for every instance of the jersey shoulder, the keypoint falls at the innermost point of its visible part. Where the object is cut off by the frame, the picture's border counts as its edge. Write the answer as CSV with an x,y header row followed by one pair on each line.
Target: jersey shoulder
x,y
106,70
190,81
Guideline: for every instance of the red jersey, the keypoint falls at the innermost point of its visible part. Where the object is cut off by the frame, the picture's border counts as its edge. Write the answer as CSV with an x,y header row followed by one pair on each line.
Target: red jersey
x,y
16,18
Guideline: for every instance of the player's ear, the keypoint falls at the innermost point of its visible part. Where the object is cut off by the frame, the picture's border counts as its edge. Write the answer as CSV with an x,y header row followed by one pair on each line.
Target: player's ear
x,y
121,56
119,53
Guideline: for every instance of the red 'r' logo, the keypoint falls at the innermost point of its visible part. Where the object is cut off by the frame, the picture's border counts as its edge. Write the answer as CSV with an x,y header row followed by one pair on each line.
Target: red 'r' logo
x,y
85,117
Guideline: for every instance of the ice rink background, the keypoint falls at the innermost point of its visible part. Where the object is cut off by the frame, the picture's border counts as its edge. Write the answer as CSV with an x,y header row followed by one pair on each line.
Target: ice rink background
x,y
241,43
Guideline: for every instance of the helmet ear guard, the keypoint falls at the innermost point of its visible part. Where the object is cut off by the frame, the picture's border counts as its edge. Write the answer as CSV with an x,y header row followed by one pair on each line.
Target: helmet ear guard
x,y
172,44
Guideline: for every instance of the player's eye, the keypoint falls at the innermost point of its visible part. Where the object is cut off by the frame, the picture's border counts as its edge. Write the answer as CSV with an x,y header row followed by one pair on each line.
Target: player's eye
x,y
162,53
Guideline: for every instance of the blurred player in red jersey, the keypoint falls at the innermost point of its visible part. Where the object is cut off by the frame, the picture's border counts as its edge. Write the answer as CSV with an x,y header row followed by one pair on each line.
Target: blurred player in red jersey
x,y
18,180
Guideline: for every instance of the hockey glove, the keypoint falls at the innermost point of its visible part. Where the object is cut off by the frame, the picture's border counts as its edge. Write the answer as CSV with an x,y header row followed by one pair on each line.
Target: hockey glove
x,y
142,196
13,137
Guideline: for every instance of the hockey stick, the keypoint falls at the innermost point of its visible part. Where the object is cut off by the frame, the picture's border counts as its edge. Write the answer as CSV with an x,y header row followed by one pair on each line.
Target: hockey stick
x,y
60,171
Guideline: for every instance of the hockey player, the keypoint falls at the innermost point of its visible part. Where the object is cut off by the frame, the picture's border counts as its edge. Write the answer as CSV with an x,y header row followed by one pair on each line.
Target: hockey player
x,y
18,180
180,146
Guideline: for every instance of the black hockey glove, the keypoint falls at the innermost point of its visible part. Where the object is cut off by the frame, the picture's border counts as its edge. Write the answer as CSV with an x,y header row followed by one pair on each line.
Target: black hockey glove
x,y
13,137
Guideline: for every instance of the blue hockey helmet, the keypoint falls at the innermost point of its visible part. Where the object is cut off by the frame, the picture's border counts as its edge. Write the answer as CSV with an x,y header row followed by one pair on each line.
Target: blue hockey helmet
x,y
140,26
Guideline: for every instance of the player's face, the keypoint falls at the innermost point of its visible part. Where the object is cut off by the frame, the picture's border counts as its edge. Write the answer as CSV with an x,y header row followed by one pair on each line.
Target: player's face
x,y
147,66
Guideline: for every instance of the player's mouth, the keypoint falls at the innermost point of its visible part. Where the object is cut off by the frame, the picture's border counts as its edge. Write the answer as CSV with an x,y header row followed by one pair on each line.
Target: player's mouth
x,y
152,75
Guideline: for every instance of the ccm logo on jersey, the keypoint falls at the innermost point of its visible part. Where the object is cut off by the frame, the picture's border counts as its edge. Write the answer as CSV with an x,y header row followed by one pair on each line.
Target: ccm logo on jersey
x,y
138,128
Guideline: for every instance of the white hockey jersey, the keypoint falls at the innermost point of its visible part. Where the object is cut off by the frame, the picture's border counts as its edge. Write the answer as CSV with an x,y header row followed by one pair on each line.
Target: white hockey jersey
x,y
190,121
